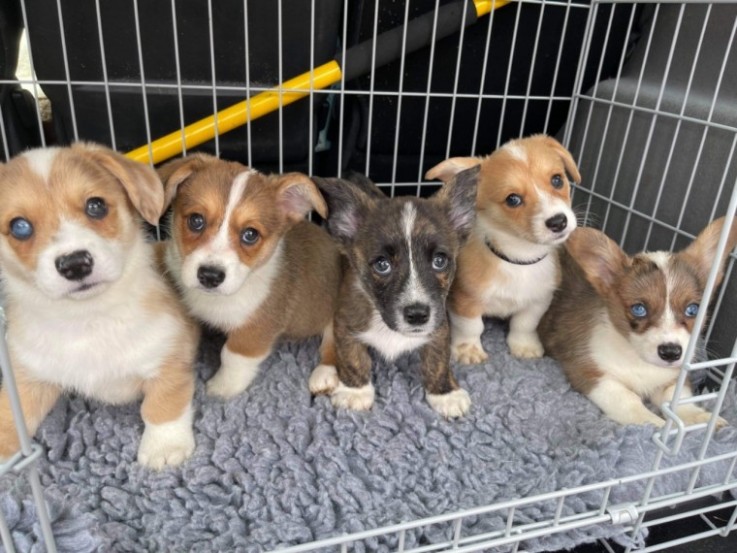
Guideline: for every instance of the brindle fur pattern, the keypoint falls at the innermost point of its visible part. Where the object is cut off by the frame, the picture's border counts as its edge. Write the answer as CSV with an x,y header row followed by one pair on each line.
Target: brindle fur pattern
x,y
369,226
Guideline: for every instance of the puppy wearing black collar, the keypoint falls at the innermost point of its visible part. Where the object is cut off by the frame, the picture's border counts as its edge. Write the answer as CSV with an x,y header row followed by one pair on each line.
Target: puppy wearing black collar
x,y
509,266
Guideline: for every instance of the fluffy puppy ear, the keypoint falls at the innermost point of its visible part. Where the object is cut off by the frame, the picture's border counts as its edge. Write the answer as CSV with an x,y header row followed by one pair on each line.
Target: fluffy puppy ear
x,y
348,204
298,195
364,183
445,170
174,173
566,156
600,258
702,252
137,179
458,197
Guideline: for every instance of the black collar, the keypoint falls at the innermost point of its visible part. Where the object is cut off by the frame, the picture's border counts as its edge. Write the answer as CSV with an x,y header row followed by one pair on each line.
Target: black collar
x,y
503,257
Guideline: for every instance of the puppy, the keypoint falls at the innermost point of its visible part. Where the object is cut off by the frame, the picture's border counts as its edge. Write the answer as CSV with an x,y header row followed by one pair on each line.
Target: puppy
x,y
507,269
400,255
247,263
620,325
87,310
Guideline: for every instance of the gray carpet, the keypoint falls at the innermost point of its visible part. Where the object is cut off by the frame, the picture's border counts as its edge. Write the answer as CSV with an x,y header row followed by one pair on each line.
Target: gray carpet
x,y
276,467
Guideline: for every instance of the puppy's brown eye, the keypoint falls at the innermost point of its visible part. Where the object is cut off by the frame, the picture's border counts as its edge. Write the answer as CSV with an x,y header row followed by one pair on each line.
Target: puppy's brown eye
x,y
250,236
513,200
557,181
196,222
96,208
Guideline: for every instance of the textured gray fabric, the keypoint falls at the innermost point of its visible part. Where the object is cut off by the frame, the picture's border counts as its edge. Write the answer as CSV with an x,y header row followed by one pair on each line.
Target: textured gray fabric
x,y
276,467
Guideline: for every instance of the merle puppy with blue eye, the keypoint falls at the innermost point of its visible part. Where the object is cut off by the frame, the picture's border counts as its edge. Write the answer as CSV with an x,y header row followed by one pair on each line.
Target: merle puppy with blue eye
x,y
620,325
400,258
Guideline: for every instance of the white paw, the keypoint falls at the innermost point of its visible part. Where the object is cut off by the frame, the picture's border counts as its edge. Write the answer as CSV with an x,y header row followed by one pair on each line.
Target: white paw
x,y
356,399
525,345
696,415
323,380
450,405
469,353
167,444
235,374
642,418
224,387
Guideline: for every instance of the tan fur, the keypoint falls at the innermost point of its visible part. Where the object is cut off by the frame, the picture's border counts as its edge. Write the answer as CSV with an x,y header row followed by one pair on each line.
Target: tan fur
x,y
486,284
76,174
36,399
606,351
301,299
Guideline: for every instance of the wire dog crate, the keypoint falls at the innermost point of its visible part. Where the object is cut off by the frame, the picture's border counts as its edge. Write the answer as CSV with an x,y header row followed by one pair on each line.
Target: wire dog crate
x,y
641,93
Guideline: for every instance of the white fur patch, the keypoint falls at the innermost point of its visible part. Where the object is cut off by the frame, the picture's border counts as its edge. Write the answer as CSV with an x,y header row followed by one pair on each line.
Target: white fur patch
x,y
389,343
667,330
228,312
413,291
235,374
550,206
101,347
167,444
465,339
40,161
622,404
450,405
518,287
324,379
219,252
616,357
107,254
516,151
221,241
356,399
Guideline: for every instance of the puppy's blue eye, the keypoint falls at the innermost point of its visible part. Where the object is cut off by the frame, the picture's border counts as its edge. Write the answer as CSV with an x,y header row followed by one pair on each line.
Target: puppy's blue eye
x,y
440,262
95,208
196,222
382,266
639,310
250,236
21,229
692,309
557,181
513,200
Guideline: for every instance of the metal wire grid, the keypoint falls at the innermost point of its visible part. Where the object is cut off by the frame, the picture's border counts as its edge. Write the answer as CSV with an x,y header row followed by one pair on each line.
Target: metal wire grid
x,y
24,462
512,533
248,90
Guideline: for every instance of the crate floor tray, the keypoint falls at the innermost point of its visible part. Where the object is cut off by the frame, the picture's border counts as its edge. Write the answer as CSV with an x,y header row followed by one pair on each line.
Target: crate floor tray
x,y
276,467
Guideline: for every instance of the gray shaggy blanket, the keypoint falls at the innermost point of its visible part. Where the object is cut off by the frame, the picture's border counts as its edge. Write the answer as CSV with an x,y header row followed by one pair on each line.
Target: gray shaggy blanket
x,y
276,467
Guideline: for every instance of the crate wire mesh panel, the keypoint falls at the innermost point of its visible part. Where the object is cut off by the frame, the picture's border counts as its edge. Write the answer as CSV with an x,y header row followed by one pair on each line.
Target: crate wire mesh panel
x,y
642,95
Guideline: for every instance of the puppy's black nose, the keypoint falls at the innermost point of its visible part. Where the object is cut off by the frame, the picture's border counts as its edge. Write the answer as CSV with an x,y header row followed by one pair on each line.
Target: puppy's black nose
x,y
417,314
557,222
76,265
210,276
669,352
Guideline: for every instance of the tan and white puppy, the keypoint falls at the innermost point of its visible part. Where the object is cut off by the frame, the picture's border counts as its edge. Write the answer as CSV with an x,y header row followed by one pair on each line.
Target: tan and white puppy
x,y
620,325
247,262
508,269
87,309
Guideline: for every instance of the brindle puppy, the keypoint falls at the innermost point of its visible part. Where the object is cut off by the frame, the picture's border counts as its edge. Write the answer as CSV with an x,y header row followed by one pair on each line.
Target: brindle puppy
x,y
400,258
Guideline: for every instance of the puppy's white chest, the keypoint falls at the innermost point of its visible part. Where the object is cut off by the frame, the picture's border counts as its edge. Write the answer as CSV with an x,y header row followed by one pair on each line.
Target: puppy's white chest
x,y
515,287
227,312
105,356
387,342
